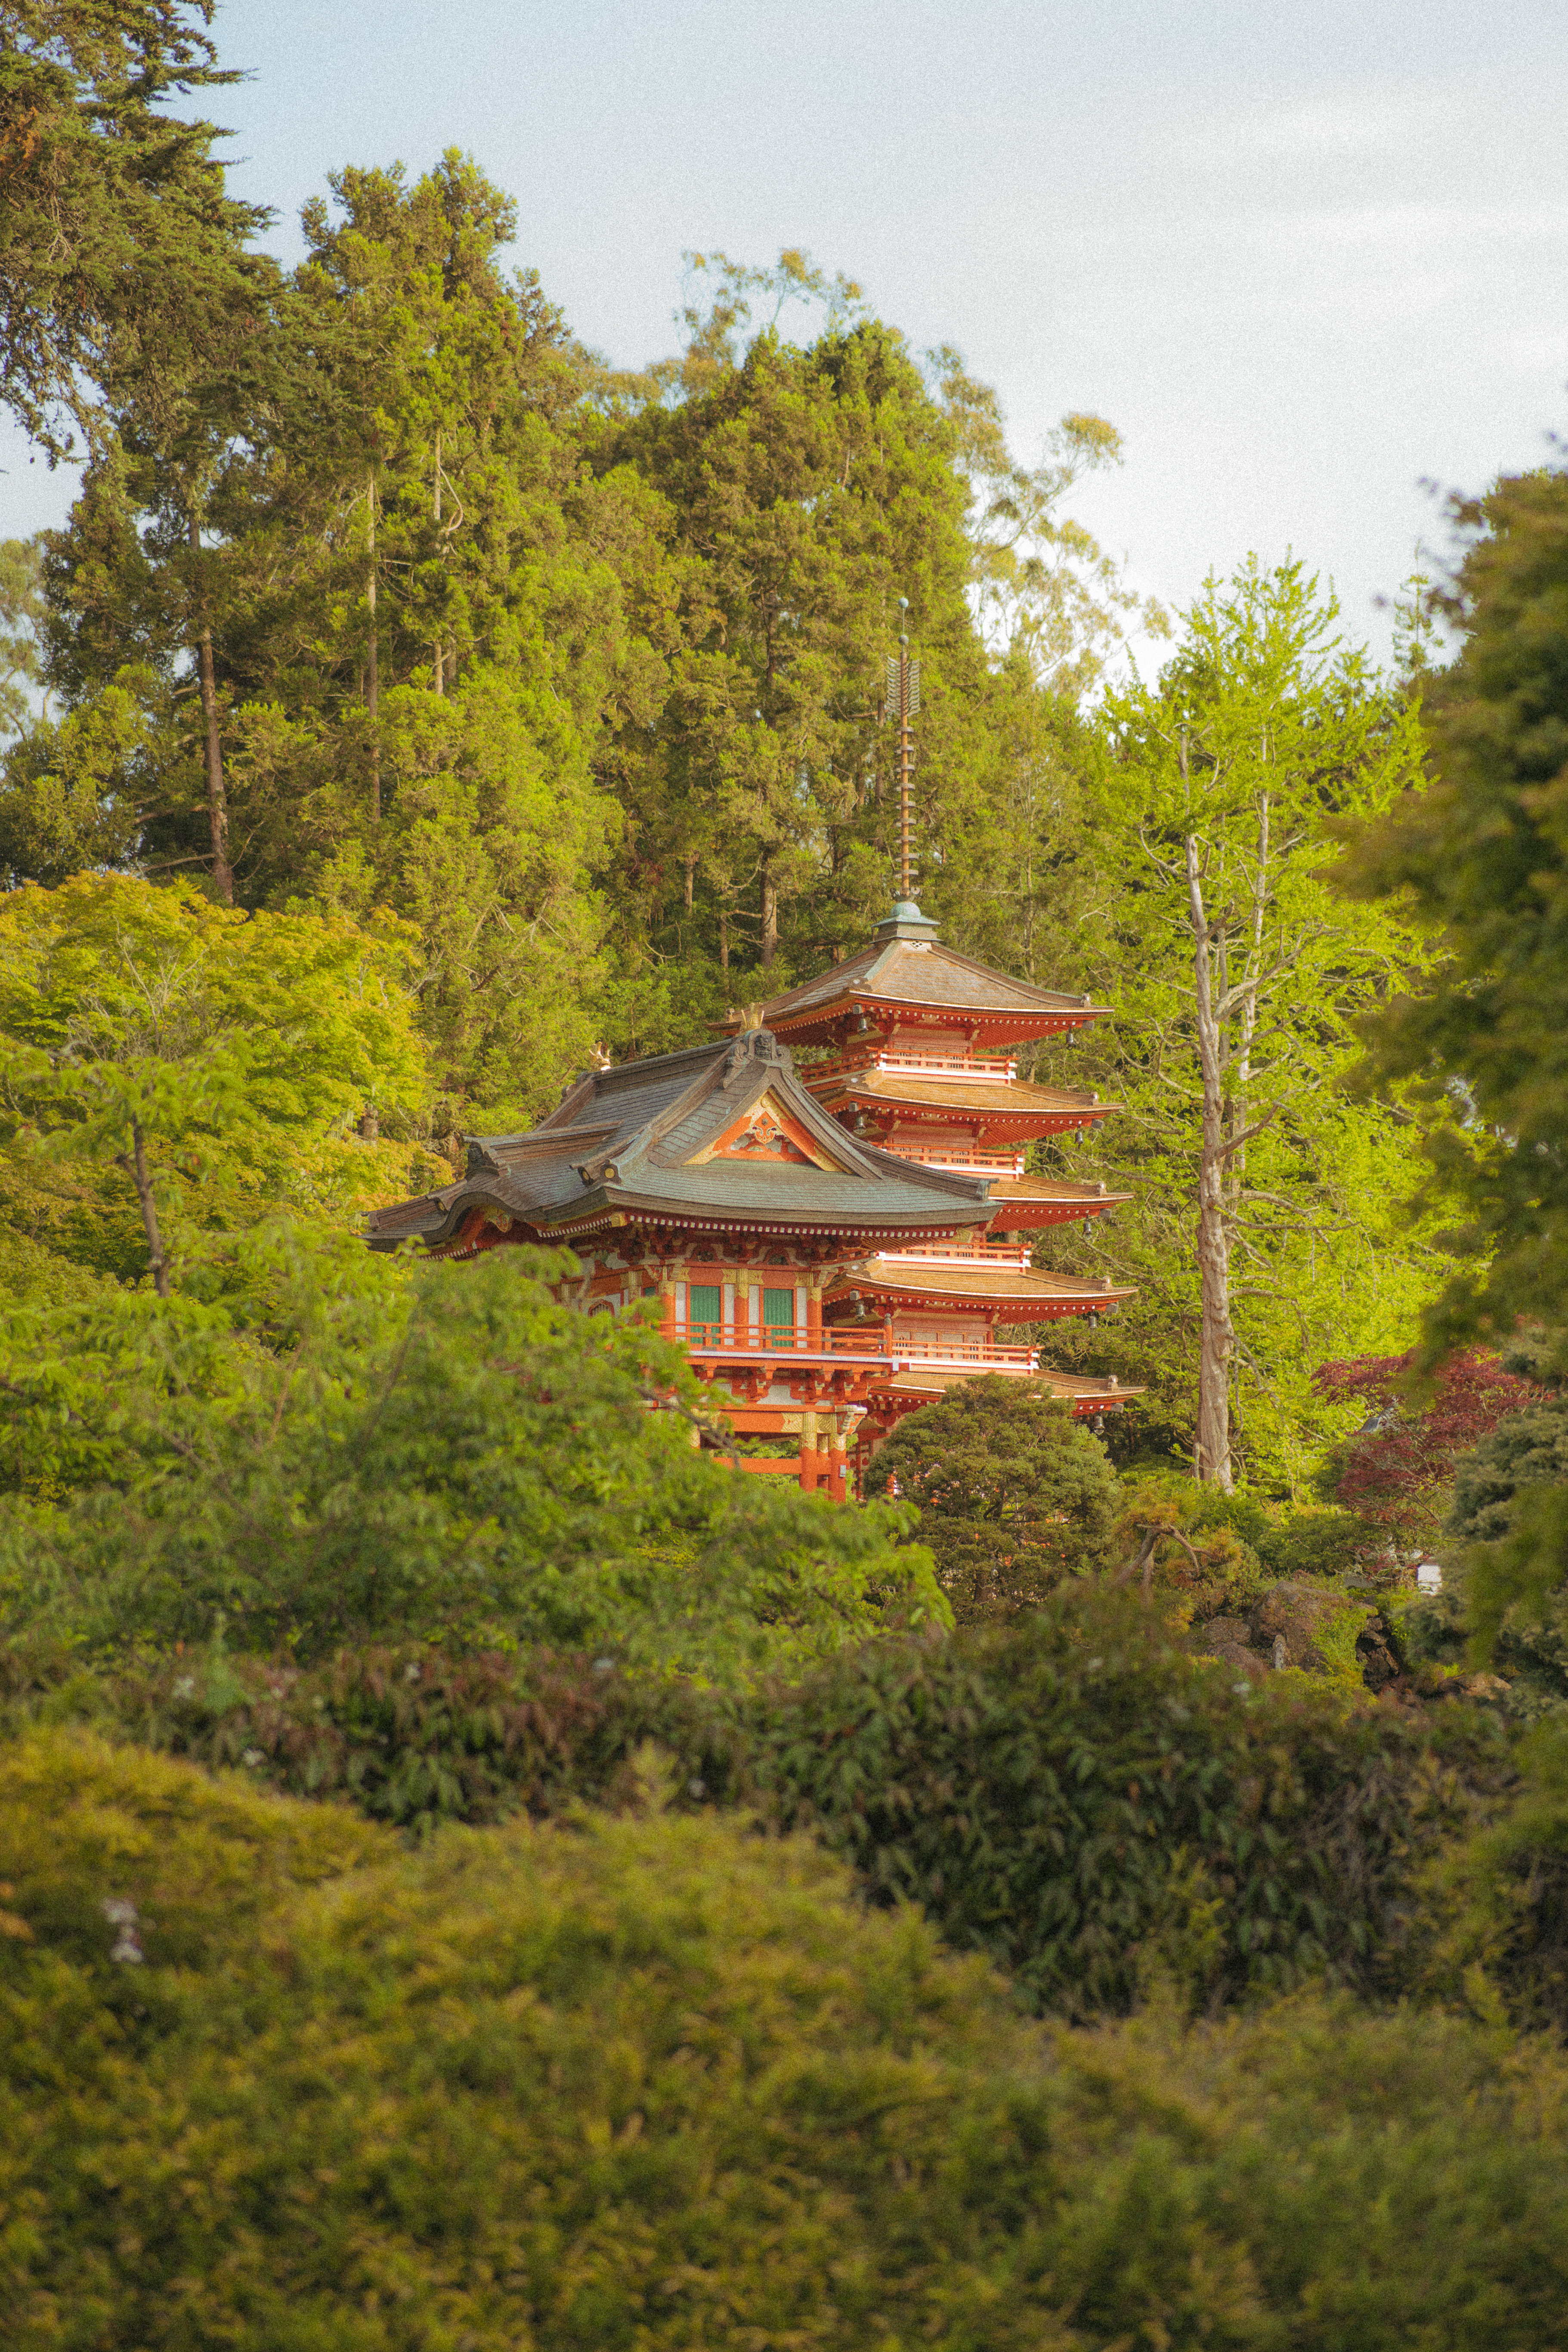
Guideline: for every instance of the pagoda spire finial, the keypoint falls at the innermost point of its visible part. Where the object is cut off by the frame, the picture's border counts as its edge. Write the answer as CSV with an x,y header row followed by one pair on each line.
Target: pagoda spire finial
x,y
902,704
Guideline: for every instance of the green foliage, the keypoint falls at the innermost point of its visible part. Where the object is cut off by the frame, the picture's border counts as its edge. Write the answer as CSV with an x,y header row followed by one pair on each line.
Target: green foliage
x,y
660,2083
1080,1800
1502,1897
413,1735
1479,857
117,233
1013,1496
21,613
1263,731
235,1054
334,1450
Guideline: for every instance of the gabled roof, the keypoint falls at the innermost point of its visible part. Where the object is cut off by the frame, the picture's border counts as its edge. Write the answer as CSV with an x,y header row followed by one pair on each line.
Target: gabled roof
x,y
635,1145
906,965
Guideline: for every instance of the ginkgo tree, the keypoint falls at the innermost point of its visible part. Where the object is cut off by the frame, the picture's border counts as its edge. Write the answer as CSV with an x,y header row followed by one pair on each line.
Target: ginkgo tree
x,y
200,1064
1240,974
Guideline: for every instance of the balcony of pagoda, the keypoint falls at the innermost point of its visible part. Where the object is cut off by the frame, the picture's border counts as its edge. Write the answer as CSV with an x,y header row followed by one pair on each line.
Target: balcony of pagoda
x,y
855,1061
815,1366
960,1160
1013,1255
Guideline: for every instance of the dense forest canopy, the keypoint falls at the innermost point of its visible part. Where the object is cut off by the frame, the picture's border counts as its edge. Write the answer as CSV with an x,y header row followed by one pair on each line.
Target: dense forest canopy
x,y
388,606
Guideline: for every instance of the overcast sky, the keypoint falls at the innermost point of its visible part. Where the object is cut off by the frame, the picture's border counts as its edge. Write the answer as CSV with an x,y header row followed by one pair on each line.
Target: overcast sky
x,y
1304,257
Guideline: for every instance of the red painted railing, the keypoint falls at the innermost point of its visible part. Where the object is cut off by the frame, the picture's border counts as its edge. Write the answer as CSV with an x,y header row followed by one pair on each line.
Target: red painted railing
x,y
914,1066
865,1340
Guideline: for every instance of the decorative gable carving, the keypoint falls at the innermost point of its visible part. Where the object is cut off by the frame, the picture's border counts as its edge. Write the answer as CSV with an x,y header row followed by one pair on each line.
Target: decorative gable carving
x,y
770,1134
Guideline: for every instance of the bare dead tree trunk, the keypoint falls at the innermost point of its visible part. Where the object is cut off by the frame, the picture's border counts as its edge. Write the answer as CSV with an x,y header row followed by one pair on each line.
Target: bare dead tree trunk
x,y
1216,1340
134,1164
218,795
372,673
770,916
690,877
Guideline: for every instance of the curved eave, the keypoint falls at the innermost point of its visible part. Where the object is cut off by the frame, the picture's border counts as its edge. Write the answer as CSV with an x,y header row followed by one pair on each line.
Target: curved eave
x,y
1018,1026
1088,1398
1018,1298
1032,1212
616,1208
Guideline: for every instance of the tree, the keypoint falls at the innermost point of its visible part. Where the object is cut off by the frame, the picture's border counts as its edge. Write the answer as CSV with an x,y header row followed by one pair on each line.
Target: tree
x,y
1044,590
1396,1472
311,1446
117,240
1013,1495
205,1066
1239,977
1481,858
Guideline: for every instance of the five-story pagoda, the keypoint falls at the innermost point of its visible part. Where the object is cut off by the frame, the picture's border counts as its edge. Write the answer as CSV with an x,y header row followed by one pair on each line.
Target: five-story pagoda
x,y
919,1061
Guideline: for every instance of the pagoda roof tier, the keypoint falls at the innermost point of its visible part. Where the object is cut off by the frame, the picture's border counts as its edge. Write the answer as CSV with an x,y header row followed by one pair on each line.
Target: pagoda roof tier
x,y
1025,1202
918,978
927,1384
1020,1109
1020,1297
723,1136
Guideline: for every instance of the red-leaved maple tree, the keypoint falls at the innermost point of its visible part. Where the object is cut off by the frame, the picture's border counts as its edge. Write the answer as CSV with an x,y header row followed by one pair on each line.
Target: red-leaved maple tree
x,y
1396,1470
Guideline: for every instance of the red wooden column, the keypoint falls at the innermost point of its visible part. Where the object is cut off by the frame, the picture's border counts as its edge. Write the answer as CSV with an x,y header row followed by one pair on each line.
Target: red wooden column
x,y
810,1459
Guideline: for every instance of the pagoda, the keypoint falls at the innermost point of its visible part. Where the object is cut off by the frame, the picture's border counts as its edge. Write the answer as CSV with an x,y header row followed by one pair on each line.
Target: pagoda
x,y
715,1182
833,1246
915,1046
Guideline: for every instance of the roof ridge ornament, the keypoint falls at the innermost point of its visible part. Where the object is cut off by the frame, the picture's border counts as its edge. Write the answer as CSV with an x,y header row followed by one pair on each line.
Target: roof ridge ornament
x,y
905,923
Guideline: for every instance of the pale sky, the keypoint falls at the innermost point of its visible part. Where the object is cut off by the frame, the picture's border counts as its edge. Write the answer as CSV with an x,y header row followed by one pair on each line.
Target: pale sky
x,y
1303,258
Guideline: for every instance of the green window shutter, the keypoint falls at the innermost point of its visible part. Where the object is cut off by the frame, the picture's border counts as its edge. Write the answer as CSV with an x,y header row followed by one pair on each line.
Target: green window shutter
x,y
778,1310
704,1303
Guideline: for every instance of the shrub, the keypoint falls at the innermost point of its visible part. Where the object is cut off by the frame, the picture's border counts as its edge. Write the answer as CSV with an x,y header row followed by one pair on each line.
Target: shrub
x,y
415,1736
1504,1891
1013,1495
449,1454
1075,1796
657,2083
1086,1804
1394,1473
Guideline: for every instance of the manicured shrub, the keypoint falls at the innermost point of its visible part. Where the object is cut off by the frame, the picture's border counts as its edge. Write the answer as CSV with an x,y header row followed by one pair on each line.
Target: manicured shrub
x,y
661,2082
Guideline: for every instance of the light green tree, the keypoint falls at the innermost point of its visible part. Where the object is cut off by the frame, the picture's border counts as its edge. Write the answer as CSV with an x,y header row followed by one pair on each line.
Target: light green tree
x,y
1267,1231
201,1065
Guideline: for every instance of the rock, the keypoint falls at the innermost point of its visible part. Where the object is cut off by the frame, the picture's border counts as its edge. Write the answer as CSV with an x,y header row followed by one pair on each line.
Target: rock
x,y
1379,1665
1293,1612
1229,1639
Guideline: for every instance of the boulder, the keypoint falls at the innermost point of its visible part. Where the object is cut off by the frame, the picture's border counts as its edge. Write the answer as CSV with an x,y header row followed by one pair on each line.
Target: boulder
x,y
1293,1613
